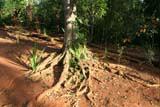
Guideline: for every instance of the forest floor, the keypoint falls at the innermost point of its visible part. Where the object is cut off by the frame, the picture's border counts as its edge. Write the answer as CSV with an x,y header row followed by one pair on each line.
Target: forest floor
x,y
108,88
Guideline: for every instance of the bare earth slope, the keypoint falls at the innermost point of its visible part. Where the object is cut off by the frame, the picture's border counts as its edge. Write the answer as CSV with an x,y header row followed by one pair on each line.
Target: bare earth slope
x,y
108,89
15,89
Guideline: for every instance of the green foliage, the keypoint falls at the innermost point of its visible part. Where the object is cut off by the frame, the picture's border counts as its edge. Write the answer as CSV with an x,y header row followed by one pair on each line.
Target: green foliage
x,y
10,6
34,58
148,32
152,53
46,14
91,9
49,15
89,13
103,21
78,48
78,51
120,50
152,8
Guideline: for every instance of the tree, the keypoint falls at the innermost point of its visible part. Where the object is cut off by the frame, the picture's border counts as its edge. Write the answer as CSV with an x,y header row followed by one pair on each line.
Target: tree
x,y
69,58
29,9
69,35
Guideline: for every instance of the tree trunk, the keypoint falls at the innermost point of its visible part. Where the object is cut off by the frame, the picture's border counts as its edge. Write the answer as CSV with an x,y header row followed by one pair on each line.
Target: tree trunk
x,y
70,22
15,16
29,10
62,60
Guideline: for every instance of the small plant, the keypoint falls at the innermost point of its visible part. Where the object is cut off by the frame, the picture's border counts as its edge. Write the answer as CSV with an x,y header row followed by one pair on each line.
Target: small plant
x,y
120,52
45,32
150,53
34,58
106,52
79,49
79,53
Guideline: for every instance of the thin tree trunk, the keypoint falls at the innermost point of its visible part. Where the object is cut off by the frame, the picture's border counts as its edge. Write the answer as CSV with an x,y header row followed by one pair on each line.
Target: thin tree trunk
x,y
29,11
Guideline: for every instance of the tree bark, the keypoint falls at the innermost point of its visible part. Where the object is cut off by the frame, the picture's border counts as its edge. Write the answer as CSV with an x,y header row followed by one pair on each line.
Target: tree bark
x,y
29,10
70,22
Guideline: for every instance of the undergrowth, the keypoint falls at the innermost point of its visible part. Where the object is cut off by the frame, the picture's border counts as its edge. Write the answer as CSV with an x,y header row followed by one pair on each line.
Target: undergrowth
x,y
34,58
79,54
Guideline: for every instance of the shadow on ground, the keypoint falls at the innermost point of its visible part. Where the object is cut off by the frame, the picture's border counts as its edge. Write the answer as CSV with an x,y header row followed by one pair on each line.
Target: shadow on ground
x,y
8,43
126,65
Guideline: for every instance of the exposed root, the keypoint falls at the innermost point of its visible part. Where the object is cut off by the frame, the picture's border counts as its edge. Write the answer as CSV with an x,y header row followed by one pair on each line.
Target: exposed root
x,y
83,70
72,79
51,61
141,81
46,66
64,59
46,62
76,78
83,89
134,78
62,80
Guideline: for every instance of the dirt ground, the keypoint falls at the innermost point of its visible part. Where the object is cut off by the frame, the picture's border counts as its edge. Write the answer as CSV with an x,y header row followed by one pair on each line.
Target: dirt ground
x,y
107,88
